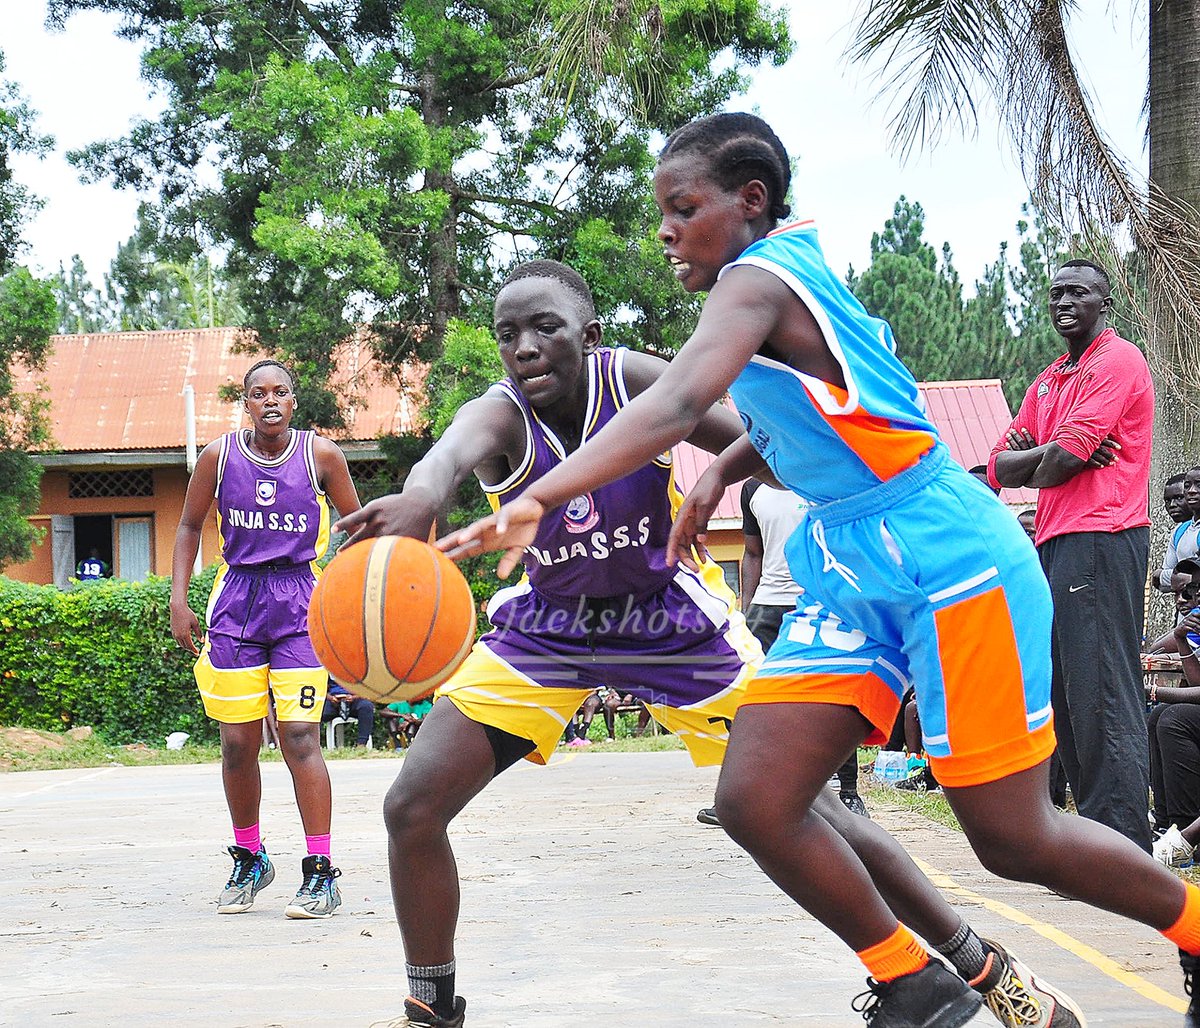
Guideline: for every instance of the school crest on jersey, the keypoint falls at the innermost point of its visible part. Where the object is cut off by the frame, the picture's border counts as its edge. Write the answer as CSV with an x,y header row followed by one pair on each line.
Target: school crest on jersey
x,y
580,514
264,492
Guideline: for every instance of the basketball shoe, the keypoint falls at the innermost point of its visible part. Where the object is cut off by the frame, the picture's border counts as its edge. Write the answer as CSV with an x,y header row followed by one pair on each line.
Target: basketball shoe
x,y
1020,999
421,1016
708,816
933,997
318,895
1172,849
1191,972
853,802
251,872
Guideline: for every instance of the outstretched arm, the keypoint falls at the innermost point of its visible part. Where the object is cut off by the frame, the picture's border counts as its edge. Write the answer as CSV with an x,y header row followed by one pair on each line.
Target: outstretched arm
x,y
737,317
483,430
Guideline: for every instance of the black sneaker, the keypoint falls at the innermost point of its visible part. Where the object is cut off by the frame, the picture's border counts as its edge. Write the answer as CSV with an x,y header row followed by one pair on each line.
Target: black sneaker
x,y
421,1016
932,997
853,802
921,781
251,872
318,896
1191,970
708,816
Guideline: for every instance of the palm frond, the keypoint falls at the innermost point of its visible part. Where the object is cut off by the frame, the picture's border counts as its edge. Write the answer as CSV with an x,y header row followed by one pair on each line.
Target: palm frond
x,y
942,57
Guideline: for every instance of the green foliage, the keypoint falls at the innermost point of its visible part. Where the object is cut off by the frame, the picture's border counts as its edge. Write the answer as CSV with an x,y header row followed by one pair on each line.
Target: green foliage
x,y
102,655
374,159
152,283
27,313
17,135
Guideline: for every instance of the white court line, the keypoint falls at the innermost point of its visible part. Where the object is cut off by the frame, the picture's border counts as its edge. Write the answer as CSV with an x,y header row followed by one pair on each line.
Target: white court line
x,y
56,785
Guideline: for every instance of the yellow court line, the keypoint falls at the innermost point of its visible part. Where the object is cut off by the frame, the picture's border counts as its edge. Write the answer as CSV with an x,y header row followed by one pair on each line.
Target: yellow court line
x,y
1060,938
561,758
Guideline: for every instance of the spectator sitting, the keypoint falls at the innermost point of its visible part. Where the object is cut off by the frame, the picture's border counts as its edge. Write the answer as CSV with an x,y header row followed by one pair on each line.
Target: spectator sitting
x,y
91,568
1181,577
404,719
341,702
1185,538
1174,726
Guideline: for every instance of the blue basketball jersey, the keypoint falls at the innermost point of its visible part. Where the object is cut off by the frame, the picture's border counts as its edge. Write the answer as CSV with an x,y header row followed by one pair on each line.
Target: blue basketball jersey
x,y
822,441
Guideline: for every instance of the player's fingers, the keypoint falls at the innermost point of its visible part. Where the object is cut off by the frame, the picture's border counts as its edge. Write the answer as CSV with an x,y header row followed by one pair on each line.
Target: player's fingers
x,y
512,557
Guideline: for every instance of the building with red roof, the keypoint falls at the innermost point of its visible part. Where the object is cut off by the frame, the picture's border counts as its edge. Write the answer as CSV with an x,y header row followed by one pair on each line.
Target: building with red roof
x,y
116,477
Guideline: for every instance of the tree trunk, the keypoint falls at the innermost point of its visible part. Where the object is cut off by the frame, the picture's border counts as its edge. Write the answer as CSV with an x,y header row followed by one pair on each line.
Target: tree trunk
x,y
1175,171
444,298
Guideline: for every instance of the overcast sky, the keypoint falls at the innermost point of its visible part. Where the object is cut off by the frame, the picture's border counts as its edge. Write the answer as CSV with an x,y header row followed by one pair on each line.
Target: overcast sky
x,y
85,85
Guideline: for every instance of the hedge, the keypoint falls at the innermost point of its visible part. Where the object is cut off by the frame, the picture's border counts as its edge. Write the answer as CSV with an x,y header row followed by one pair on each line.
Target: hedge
x,y
100,654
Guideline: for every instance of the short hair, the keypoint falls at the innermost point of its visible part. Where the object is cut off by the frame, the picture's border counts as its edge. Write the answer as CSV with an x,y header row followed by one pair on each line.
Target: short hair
x,y
270,362
1187,566
738,149
561,273
1175,479
1080,262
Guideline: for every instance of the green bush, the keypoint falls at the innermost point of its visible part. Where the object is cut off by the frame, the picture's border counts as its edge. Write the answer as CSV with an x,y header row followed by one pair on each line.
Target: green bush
x,y
100,654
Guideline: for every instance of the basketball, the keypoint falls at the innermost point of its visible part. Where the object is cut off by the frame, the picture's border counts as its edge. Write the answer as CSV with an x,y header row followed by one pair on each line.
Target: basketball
x,y
391,618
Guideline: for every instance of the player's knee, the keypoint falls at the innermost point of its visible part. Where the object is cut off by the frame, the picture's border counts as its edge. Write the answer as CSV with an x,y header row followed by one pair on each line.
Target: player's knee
x,y
299,740
408,812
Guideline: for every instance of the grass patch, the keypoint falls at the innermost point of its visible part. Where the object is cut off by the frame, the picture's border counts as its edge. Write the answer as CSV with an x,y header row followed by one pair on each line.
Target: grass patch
x,y
932,805
28,749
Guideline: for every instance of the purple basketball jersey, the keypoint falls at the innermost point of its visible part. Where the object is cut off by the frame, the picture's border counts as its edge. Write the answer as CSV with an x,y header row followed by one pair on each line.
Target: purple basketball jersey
x,y
270,511
612,541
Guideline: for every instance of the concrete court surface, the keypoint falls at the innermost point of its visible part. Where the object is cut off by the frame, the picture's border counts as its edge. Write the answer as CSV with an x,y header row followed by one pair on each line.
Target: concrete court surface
x,y
591,896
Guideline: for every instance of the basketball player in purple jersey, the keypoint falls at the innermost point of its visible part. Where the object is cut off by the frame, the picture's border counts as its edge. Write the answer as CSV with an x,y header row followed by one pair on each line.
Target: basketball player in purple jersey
x,y
271,484
599,606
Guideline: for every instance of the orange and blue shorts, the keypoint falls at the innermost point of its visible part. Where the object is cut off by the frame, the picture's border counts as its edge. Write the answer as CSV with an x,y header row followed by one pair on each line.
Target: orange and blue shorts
x,y
927,580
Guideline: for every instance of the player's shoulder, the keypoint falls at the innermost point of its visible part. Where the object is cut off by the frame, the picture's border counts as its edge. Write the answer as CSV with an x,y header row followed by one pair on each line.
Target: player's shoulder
x,y
639,369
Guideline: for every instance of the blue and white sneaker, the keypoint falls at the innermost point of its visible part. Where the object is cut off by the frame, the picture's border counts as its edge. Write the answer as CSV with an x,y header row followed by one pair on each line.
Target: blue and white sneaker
x,y
251,872
318,895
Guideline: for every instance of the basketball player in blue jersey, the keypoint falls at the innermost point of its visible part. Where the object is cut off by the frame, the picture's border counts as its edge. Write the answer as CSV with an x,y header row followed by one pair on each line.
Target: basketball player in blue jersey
x,y
600,605
272,485
920,572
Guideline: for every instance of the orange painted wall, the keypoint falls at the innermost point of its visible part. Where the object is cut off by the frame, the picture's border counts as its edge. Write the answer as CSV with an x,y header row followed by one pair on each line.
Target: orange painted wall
x,y
165,506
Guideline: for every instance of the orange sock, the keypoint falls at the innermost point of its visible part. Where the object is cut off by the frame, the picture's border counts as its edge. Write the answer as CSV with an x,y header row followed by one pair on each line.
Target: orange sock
x,y
1185,932
898,954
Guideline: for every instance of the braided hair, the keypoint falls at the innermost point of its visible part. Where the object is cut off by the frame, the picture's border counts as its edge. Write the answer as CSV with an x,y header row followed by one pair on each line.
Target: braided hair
x,y
561,273
738,149
270,362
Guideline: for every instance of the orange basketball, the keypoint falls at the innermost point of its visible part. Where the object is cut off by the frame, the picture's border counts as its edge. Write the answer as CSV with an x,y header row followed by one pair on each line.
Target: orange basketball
x,y
391,618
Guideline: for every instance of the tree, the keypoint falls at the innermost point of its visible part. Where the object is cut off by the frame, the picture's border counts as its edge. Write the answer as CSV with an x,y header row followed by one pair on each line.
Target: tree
x,y
27,316
80,305
906,287
383,161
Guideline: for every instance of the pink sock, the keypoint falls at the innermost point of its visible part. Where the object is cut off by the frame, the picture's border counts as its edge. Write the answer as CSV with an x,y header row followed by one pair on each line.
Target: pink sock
x,y
249,838
318,845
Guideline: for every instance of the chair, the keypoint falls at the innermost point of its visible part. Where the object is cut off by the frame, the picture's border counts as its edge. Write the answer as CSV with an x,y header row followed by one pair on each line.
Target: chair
x,y
335,732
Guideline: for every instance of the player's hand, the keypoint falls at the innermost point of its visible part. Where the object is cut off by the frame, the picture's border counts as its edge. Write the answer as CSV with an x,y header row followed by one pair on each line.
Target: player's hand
x,y
1106,453
394,514
689,533
1189,624
1019,439
185,628
511,529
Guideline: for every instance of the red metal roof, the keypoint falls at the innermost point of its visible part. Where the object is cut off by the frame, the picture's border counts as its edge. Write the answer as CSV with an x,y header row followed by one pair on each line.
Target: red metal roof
x,y
124,390
971,416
